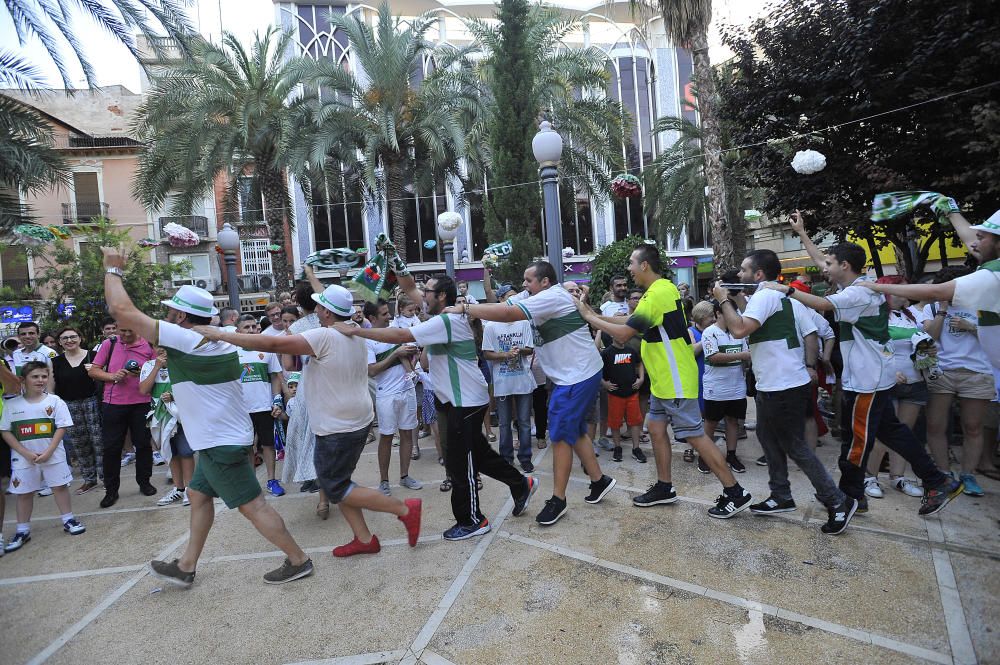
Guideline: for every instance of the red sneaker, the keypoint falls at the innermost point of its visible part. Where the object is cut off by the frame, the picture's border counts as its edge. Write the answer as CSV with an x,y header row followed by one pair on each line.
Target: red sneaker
x,y
358,547
412,520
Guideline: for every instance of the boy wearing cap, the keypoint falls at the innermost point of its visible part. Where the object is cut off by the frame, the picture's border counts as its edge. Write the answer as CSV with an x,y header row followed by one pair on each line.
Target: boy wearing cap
x,y
335,385
205,381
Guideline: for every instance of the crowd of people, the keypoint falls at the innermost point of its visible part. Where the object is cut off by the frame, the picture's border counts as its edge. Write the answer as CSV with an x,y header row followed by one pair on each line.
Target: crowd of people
x,y
214,393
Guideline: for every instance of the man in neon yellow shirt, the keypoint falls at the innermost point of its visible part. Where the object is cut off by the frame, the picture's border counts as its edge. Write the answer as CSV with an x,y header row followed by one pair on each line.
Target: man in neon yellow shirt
x,y
673,372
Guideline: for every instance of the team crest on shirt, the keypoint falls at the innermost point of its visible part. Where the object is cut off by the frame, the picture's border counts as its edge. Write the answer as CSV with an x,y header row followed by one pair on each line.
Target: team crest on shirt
x,y
15,482
48,410
260,355
52,354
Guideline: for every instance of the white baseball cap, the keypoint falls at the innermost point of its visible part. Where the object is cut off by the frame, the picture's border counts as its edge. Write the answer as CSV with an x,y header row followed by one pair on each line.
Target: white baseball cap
x,y
192,300
337,299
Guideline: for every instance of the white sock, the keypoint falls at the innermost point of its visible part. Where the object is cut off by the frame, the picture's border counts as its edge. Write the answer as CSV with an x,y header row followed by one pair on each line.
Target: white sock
x,y
67,517
24,527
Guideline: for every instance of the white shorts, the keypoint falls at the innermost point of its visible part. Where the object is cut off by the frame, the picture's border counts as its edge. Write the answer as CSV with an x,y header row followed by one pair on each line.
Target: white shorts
x,y
26,477
396,412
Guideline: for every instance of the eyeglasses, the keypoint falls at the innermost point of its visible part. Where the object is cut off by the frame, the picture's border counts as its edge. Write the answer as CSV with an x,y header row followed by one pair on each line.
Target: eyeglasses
x,y
635,297
69,338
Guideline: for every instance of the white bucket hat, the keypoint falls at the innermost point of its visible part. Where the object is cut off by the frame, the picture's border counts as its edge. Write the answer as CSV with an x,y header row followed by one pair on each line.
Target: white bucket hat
x,y
192,300
991,225
337,299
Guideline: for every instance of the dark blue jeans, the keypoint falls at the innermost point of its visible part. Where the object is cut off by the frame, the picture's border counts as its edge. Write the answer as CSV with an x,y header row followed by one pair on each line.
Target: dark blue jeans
x,y
515,408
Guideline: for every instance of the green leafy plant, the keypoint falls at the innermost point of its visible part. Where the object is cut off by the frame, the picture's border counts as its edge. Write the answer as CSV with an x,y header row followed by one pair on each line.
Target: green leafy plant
x,y
612,260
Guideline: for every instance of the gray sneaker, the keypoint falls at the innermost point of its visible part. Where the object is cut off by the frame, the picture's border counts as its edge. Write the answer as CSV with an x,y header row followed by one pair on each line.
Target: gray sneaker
x,y
171,572
288,572
410,483
605,444
383,487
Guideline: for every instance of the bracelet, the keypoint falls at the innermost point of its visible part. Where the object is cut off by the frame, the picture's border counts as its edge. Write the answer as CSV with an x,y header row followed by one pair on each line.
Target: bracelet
x,y
941,314
730,301
115,271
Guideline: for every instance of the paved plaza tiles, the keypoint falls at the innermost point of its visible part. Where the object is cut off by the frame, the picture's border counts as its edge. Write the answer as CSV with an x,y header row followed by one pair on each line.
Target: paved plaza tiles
x,y
608,584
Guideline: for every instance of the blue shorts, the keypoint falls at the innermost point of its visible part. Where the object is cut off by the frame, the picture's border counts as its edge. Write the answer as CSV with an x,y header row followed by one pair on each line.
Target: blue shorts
x,y
568,406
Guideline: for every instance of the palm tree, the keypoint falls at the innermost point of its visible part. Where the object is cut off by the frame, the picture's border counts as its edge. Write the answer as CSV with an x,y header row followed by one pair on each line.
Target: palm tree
x,y
223,111
686,23
389,131
675,185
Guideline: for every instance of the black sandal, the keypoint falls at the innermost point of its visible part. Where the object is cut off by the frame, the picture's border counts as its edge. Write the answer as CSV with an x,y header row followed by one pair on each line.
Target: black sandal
x,y
689,455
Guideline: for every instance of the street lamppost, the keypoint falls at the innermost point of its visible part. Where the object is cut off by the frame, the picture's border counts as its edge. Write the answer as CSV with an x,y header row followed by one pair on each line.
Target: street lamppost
x,y
229,241
448,224
547,146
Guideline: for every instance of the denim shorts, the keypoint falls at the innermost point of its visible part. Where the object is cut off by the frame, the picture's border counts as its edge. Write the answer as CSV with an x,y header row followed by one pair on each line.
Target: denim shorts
x,y
914,393
683,414
335,458
179,445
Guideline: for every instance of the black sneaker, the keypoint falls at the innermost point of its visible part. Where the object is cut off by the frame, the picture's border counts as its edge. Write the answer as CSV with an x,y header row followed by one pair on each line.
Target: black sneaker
x,y
840,517
657,494
171,572
288,573
638,455
771,506
527,466
147,489
862,505
521,502
734,463
600,489
617,454
726,506
762,461
110,499
554,509
702,467
936,499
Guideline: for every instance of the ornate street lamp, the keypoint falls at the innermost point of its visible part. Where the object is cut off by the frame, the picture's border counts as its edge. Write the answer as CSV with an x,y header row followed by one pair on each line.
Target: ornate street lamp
x,y
547,146
229,242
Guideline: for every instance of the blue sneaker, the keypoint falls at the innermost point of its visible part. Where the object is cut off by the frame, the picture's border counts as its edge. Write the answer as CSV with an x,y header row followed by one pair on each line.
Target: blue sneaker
x,y
462,532
275,488
972,488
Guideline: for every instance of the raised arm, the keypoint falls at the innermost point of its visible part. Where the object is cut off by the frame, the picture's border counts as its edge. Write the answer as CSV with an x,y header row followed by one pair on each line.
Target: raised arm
x,y
120,306
491,295
799,226
408,285
317,286
621,332
963,229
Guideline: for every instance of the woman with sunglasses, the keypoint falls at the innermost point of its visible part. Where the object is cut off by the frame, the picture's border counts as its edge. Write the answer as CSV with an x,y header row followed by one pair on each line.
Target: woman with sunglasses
x,y
80,394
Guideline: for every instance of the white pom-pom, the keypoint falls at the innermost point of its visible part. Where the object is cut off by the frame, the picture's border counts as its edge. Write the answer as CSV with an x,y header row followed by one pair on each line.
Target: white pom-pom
x,y
568,252
449,221
808,161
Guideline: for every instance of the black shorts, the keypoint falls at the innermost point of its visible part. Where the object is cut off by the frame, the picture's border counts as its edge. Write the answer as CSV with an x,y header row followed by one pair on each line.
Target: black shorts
x,y
4,461
263,427
731,408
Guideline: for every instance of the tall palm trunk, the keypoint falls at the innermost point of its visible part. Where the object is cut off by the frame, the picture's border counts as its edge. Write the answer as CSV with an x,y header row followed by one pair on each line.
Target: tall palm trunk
x,y
272,185
394,188
708,104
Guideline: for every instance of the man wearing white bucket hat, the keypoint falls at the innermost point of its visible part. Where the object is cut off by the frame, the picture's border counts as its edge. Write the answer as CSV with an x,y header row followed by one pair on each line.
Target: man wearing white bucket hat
x,y
335,384
206,387
977,291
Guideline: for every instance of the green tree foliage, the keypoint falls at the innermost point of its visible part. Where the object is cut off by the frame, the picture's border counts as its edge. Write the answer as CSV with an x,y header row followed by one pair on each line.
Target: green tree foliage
x,y
613,260
79,279
812,65
527,71
223,111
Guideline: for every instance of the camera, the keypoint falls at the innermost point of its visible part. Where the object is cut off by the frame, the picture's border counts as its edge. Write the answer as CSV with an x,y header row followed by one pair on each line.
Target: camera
x,y
132,366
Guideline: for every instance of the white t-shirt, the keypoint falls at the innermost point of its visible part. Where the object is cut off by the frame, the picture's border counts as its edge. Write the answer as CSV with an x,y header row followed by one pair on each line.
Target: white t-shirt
x,y
335,383
612,308
205,378
776,348
19,358
723,382
563,343
404,321
823,328
390,381
33,425
453,363
271,331
981,291
162,376
901,330
510,377
959,349
255,378
864,338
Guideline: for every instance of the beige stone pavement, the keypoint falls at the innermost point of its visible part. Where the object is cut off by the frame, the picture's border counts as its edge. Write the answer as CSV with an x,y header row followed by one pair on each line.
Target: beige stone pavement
x,y
609,583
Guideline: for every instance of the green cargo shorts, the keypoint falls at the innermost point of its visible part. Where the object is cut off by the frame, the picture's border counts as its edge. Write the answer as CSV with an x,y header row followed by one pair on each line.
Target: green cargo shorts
x,y
226,472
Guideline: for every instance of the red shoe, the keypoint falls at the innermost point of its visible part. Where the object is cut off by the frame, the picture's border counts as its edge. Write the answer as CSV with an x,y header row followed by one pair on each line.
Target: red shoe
x,y
412,520
358,547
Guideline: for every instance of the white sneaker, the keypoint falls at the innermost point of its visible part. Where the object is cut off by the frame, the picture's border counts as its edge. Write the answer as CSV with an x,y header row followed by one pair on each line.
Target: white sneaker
x,y
908,487
128,459
173,496
872,488
410,483
45,491
383,487
158,458
186,501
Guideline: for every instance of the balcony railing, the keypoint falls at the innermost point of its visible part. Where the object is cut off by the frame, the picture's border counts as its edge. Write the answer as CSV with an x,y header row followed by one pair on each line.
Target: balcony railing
x,y
83,213
22,288
197,223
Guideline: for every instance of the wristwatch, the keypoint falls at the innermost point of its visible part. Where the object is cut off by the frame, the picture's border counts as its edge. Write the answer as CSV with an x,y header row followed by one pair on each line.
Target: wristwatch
x,y
789,291
116,271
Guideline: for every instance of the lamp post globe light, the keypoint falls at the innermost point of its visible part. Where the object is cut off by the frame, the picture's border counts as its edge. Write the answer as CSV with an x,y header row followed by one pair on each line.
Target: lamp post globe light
x,y
229,241
448,224
547,146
